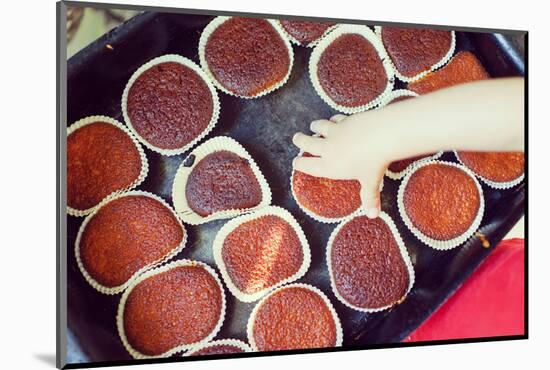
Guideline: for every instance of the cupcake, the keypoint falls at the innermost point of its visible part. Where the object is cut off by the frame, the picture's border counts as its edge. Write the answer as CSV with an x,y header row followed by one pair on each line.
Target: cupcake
x,y
349,69
305,33
220,347
260,251
170,104
499,170
397,169
295,316
369,266
103,159
125,236
219,179
441,203
172,308
245,57
464,67
323,199
414,51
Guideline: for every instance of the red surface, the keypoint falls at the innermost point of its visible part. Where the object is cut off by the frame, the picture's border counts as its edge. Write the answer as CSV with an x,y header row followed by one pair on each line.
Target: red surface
x,y
490,303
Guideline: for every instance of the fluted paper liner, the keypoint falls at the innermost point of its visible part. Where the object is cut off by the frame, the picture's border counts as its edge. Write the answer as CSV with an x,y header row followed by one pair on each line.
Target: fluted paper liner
x,y
439,64
233,224
187,63
220,342
252,318
144,164
211,27
493,184
115,290
399,175
434,243
404,255
396,94
216,144
365,32
120,312
312,43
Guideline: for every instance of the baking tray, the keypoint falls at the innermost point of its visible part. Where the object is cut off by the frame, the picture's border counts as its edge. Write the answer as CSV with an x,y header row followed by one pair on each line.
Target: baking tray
x,y
96,78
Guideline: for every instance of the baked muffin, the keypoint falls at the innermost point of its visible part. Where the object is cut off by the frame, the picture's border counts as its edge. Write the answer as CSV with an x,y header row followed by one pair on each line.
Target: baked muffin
x,y
125,236
464,67
348,71
102,158
172,308
170,104
497,169
305,33
295,316
325,199
246,57
221,181
441,203
415,51
220,347
260,251
369,267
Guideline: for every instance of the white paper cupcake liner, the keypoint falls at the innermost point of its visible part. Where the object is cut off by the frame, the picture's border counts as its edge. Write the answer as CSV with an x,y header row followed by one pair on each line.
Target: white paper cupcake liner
x,y
312,43
120,312
216,144
404,254
493,184
434,243
144,164
439,64
252,318
209,29
365,32
187,63
399,175
220,342
396,94
115,290
310,213
231,225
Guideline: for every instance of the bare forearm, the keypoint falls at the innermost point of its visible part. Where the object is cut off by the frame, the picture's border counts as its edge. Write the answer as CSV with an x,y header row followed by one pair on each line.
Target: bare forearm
x,y
479,116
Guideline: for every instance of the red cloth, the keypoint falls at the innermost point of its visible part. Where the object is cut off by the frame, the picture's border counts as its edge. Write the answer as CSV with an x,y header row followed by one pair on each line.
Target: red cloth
x,y
490,303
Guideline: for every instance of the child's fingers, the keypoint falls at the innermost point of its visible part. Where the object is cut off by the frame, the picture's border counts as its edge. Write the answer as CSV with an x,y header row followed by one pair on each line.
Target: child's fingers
x,y
310,144
322,127
310,165
337,118
370,196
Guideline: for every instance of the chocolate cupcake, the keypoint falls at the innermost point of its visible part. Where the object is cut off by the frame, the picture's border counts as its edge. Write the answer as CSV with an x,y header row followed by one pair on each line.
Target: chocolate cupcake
x,y
464,67
305,33
170,104
124,237
219,179
245,57
414,52
219,347
103,159
172,308
369,266
397,169
349,69
295,316
499,170
441,203
261,251
323,199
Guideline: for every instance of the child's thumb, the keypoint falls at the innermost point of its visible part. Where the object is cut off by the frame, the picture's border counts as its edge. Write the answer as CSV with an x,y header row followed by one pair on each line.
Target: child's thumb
x,y
370,197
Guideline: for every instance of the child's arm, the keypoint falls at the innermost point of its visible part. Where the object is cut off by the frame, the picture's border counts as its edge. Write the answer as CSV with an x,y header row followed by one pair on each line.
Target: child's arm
x,y
481,116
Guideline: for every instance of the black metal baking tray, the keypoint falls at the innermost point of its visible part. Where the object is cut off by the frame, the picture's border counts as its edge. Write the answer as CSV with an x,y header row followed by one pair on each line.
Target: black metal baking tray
x,y
96,78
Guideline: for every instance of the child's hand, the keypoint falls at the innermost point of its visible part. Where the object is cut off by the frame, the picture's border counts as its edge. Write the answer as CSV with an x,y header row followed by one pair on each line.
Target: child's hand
x,y
350,148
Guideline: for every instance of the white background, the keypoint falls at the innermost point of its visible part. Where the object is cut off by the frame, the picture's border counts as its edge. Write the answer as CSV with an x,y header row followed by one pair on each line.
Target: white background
x,y
27,181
